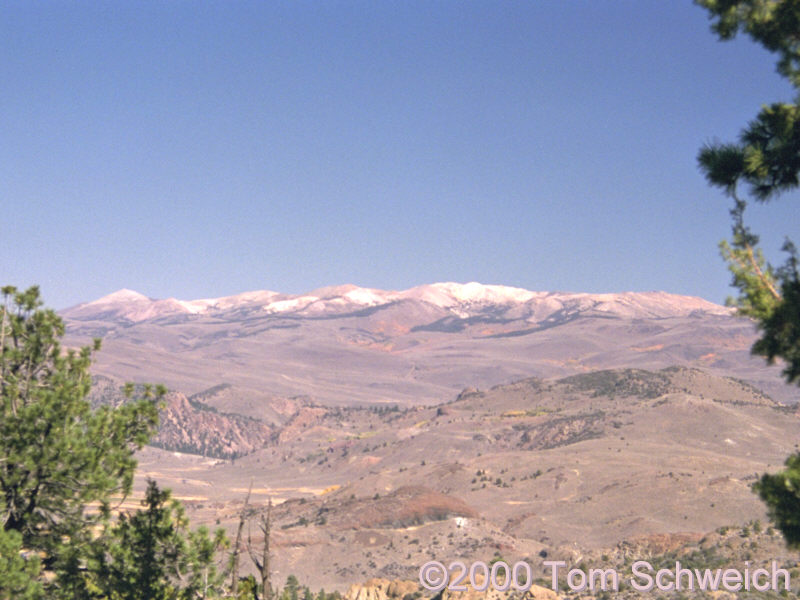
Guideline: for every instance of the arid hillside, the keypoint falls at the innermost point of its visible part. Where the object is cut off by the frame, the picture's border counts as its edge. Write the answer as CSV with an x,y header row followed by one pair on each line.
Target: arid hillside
x,y
556,467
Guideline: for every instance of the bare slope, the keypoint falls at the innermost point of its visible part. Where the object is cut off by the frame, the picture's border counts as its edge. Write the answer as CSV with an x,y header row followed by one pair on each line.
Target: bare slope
x,y
561,466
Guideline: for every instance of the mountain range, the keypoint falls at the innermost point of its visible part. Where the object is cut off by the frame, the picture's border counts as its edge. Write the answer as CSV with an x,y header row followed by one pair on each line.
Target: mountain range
x,y
452,421
461,300
347,344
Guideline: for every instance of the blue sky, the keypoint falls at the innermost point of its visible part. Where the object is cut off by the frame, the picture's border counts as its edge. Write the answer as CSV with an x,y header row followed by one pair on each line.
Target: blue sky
x,y
204,149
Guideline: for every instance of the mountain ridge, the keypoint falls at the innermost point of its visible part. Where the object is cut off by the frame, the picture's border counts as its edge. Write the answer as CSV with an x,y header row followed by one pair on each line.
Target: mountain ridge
x,y
346,344
462,300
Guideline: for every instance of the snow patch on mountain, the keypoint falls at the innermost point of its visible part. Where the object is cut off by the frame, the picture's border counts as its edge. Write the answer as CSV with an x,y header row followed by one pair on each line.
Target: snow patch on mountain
x,y
476,293
120,296
291,305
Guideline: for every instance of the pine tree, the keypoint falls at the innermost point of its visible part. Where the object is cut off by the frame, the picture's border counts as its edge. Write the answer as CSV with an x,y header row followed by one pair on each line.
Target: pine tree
x,y
781,492
152,555
57,455
291,588
17,572
766,162
762,165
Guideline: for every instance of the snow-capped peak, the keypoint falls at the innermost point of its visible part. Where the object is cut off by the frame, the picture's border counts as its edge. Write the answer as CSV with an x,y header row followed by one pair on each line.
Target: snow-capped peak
x,y
450,293
123,295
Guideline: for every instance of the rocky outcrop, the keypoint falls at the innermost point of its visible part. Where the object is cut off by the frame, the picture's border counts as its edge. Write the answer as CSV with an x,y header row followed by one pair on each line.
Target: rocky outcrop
x,y
188,425
382,589
197,430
